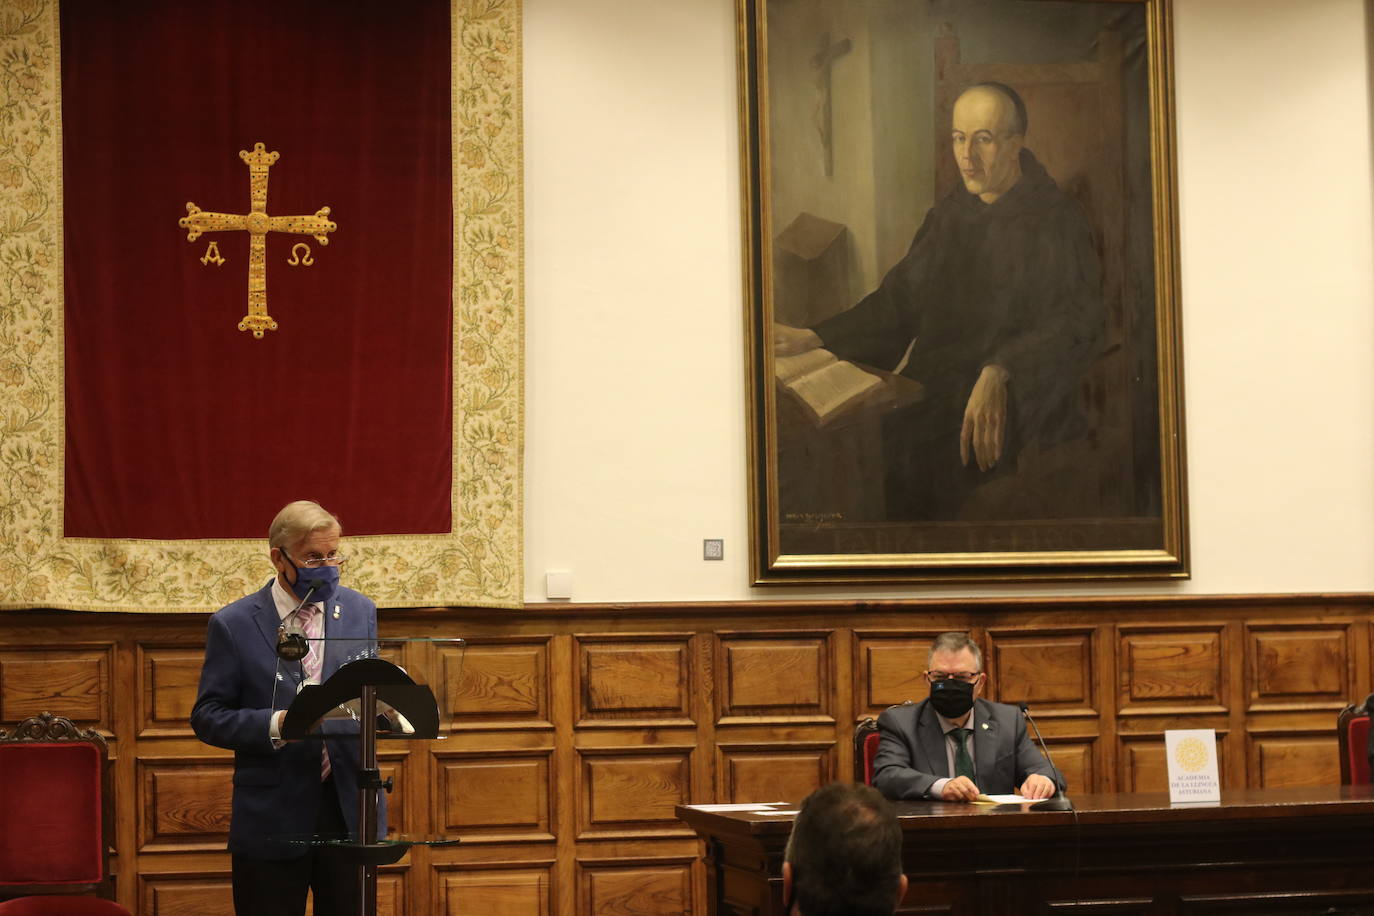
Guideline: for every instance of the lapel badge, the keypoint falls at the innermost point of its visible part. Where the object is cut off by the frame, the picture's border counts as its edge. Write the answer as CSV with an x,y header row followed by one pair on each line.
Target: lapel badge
x,y
336,617
336,614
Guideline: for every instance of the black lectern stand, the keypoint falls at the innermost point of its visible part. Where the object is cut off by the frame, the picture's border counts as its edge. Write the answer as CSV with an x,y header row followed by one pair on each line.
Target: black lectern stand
x,y
365,698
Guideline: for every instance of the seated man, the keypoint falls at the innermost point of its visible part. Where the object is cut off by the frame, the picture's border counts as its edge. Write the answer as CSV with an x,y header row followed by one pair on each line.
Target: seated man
x,y
996,310
925,751
844,855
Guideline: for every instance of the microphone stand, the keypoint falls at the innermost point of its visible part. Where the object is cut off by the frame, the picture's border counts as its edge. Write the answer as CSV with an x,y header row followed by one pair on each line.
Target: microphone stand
x,y
1059,801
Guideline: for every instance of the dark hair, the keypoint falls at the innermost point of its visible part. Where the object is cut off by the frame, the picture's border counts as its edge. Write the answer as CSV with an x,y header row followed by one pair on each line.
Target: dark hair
x,y
846,853
1020,120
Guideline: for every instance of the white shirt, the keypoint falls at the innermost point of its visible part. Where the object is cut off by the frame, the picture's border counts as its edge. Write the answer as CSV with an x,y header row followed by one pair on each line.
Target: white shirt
x,y
286,603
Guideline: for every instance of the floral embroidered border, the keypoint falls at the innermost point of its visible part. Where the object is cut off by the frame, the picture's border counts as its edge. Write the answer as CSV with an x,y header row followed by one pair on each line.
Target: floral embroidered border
x,y
479,564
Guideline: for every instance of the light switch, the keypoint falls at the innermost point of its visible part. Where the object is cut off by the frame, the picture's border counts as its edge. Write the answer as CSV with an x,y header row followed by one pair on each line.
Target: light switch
x,y
558,586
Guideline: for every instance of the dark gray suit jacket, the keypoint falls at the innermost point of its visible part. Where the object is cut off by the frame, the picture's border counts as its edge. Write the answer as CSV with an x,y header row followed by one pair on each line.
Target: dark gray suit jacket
x,y
911,751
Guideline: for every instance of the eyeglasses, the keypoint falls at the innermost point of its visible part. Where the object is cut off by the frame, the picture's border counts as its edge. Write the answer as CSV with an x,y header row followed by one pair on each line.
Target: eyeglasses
x,y
334,559
966,677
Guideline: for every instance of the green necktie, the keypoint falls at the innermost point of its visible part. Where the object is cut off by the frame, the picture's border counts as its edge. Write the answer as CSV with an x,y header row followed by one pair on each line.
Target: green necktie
x,y
963,763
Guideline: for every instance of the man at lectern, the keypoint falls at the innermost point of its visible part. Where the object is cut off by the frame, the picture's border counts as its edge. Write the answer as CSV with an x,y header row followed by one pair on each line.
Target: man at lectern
x,y
286,789
954,745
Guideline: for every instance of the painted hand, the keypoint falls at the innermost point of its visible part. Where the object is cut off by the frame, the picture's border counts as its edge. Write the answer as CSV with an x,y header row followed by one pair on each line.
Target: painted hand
x,y
985,419
789,341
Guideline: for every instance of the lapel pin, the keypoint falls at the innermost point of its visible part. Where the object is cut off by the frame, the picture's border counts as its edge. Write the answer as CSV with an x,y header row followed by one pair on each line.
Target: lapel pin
x,y
336,614
336,617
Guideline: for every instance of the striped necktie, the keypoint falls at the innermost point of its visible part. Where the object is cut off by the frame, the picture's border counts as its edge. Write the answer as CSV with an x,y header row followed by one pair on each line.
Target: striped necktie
x,y
313,663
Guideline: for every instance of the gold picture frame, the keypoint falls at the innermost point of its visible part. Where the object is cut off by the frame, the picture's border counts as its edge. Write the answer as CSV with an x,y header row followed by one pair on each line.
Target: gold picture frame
x,y
961,270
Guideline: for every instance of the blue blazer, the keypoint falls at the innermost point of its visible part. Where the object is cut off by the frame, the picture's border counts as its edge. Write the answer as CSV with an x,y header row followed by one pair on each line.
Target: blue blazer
x,y
276,790
911,751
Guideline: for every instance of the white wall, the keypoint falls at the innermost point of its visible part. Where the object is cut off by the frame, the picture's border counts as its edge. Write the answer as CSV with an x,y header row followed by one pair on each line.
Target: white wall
x,y
635,400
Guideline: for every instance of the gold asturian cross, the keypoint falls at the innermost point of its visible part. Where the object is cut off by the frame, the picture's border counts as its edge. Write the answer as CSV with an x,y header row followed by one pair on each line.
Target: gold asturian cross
x,y
257,223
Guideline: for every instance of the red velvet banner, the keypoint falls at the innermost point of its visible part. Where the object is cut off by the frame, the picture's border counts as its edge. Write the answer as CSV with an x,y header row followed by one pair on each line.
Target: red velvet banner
x,y
178,424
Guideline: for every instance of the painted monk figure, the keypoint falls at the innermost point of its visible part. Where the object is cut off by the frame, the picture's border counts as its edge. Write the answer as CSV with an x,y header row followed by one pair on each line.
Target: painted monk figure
x,y
996,310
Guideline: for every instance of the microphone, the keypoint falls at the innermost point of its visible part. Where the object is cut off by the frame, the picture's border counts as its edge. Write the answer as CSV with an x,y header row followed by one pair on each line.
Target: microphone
x,y
291,642
1059,801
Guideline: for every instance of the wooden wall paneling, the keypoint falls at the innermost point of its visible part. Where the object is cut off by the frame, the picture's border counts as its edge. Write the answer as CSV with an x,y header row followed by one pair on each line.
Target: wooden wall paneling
x,y
776,731
1075,759
1183,670
704,774
845,698
634,680
66,679
184,895
632,887
887,668
775,676
704,651
638,715
631,791
496,682
1104,760
127,749
494,889
1236,771
183,803
1364,661
1173,670
1051,669
495,796
1055,671
774,770
1300,666
1142,764
558,883
391,894
396,763
169,678
575,702
1279,761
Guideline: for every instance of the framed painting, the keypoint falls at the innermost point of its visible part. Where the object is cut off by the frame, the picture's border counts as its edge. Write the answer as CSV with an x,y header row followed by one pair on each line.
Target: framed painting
x,y
962,288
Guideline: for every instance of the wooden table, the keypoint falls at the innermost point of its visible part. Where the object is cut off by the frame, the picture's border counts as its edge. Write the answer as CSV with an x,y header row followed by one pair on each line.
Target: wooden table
x,y
1294,852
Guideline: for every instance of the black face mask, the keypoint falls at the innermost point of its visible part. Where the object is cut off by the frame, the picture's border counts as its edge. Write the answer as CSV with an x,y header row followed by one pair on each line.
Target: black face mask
x,y
951,698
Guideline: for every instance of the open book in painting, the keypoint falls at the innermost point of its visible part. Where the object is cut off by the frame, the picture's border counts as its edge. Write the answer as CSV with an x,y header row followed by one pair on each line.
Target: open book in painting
x,y
825,384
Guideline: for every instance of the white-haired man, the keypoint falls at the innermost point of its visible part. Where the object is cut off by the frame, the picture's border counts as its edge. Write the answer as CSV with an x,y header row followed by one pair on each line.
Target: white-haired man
x,y
285,789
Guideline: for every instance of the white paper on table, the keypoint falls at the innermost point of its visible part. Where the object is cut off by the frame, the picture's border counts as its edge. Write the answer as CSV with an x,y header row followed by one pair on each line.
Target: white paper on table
x,y
1002,800
739,806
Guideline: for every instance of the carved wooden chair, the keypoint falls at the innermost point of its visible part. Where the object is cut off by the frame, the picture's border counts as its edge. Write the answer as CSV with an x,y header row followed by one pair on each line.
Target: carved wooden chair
x,y
865,747
1352,734
55,793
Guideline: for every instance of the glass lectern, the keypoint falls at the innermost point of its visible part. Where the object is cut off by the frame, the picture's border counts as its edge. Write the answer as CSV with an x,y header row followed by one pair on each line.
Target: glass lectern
x,y
365,696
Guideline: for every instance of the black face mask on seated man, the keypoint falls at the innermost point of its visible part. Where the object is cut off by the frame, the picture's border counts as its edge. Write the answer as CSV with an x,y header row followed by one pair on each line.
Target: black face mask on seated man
x,y
951,698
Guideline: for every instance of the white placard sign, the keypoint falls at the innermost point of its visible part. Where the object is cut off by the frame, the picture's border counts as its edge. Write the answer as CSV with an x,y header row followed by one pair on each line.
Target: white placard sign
x,y
1193,765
